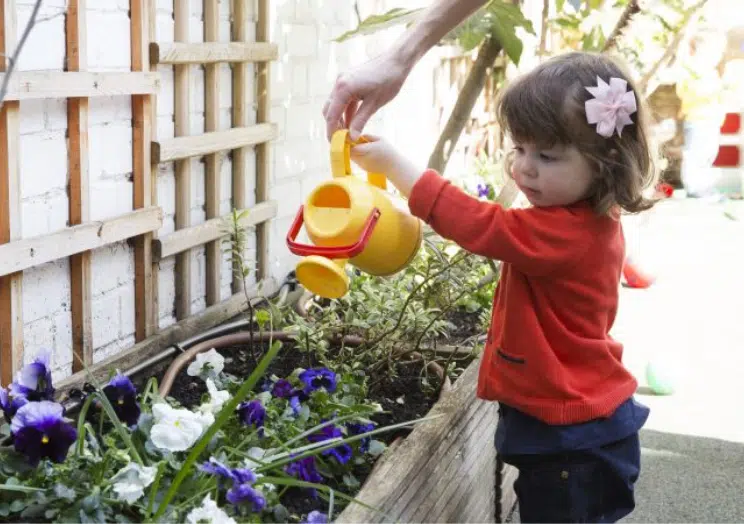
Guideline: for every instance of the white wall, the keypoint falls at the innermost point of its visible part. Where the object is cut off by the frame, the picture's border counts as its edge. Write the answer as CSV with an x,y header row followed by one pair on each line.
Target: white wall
x,y
300,82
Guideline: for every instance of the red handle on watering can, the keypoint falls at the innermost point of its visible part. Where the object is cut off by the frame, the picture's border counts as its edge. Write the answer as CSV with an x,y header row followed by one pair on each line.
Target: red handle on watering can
x,y
349,251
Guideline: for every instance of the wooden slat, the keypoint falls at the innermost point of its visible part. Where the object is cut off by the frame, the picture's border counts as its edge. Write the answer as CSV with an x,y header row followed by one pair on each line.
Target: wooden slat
x,y
67,84
183,147
144,304
212,250
11,286
239,119
77,151
154,277
263,163
183,164
209,231
30,252
212,52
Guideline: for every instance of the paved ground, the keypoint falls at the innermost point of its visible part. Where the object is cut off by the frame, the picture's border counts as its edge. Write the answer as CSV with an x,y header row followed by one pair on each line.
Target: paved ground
x,y
692,322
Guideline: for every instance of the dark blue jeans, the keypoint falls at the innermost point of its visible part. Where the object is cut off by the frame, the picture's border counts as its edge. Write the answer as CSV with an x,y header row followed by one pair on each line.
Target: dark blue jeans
x,y
593,485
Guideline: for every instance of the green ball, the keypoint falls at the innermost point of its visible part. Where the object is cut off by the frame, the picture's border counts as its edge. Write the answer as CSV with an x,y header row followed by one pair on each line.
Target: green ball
x,y
659,379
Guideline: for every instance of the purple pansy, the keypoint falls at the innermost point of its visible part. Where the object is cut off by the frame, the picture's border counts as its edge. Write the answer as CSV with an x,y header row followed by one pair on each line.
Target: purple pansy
x,y
304,469
123,397
10,404
296,398
34,381
282,389
342,452
317,378
484,190
252,413
245,493
241,491
359,429
217,468
316,517
39,431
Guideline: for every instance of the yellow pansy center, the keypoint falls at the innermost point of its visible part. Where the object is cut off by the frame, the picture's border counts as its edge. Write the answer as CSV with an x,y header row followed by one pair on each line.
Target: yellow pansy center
x,y
44,439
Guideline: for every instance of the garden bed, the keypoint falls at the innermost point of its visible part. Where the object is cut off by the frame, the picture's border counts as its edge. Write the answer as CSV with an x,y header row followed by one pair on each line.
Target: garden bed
x,y
402,398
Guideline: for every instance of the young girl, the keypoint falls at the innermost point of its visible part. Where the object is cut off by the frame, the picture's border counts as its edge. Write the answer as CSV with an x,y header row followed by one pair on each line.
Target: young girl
x,y
568,420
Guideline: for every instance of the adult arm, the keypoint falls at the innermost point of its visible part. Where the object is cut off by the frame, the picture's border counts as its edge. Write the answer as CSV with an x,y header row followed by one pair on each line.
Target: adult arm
x,y
361,92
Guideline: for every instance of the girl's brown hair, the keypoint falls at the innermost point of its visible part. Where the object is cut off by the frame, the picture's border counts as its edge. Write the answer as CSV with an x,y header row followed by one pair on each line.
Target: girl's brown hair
x,y
546,107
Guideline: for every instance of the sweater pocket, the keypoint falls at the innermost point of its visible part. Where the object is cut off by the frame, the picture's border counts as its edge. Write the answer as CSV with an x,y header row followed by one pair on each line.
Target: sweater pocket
x,y
509,357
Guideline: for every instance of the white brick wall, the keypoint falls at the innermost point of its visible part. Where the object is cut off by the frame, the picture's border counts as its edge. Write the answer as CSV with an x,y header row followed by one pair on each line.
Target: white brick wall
x,y
301,80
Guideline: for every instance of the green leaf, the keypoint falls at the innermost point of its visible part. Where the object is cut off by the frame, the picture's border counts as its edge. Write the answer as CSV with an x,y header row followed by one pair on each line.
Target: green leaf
x,y
375,23
20,489
506,19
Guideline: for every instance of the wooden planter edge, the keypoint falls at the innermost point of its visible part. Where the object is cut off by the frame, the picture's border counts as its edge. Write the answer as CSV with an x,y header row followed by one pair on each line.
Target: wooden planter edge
x,y
436,474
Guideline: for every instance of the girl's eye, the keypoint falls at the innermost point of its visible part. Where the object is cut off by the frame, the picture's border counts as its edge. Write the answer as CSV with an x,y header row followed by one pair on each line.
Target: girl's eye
x,y
546,158
519,149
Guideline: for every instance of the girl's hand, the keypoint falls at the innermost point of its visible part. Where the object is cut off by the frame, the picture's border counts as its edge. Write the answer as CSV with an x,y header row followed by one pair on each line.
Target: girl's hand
x,y
375,156
379,156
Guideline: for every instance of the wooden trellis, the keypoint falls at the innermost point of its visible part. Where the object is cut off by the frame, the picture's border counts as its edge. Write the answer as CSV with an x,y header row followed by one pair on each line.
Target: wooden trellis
x,y
140,226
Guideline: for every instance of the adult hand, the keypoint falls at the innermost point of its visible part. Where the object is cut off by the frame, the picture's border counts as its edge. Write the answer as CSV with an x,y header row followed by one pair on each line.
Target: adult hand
x,y
361,92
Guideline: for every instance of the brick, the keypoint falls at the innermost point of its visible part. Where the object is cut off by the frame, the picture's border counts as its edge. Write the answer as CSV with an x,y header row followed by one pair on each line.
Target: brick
x,y
110,197
44,214
300,81
43,158
167,288
111,267
302,40
55,110
106,318
165,98
110,149
288,196
164,23
37,335
167,192
306,121
104,110
108,41
280,81
112,348
45,47
46,290
32,116
62,339
126,310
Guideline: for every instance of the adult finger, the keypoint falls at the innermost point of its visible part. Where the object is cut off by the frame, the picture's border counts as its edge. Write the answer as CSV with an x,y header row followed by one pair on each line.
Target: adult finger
x,y
350,111
339,99
362,116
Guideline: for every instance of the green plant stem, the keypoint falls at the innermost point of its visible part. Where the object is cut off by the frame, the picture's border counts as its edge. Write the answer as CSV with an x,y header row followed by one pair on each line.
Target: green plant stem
x,y
81,426
154,488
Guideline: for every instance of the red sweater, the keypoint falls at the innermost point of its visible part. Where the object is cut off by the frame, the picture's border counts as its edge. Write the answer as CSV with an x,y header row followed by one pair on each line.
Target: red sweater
x,y
548,352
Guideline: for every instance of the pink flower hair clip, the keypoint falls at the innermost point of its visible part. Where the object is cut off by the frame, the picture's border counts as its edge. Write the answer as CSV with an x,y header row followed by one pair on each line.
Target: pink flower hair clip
x,y
611,106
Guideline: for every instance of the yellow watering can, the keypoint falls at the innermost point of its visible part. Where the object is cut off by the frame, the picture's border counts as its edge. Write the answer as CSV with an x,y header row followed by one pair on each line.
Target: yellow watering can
x,y
350,220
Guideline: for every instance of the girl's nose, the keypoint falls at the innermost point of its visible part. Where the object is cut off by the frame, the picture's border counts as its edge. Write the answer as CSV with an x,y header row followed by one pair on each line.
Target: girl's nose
x,y
526,167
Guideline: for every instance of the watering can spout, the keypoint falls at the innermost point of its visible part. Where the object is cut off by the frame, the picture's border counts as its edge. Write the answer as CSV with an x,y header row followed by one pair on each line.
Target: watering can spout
x,y
351,221
323,276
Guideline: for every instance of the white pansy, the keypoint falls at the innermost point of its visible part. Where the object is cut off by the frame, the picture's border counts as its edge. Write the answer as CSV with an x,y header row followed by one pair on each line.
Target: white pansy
x,y
209,363
177,429
216,398
131,480
209,512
